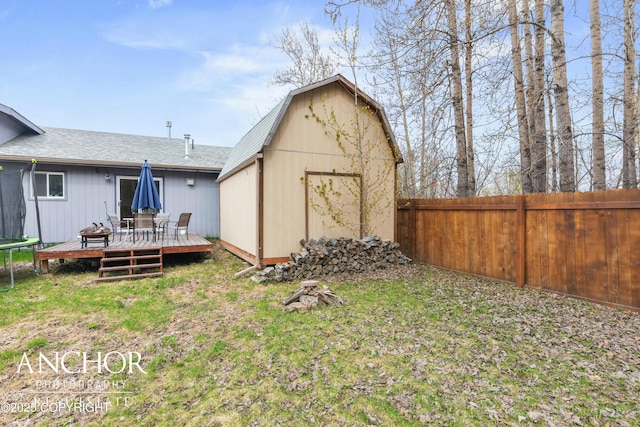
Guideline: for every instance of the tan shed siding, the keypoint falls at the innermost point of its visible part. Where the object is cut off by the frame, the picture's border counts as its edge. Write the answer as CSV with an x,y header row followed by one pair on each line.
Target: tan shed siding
x,y
238,209
300,145
318,222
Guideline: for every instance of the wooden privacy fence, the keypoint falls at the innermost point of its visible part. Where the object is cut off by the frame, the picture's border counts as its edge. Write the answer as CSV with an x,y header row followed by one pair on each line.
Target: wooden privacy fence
x,y
581,244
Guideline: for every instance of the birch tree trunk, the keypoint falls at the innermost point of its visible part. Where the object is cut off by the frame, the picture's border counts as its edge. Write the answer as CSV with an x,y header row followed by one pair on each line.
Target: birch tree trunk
x,y
518,81
539,152
597,101
552,146
530,84
469,95
561,92
456,92
629,179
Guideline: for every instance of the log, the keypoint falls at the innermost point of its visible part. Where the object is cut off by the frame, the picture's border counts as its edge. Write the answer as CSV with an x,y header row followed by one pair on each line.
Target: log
x,y
309,301
245,271
294,297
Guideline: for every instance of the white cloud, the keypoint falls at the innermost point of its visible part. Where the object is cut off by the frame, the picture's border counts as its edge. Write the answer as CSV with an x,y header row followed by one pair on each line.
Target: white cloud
x,y
137,35
239,63
157,4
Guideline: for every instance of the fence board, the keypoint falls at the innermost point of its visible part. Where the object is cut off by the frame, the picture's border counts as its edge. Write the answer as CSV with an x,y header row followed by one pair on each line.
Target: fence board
x,y
633,225
458,253
510,266
611,254
554,235
570,251
476,240
534,254
487,242
595,262
624,244
439,255
543,245
580,254
581,244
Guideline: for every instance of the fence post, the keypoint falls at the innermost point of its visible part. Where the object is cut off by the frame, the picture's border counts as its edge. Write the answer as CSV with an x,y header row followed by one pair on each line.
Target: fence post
x,y
521,250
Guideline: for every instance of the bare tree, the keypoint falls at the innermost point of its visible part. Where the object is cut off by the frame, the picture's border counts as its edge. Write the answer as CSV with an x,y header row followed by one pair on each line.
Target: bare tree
x,y
521,108
364,185
552,145
308,63
536,115
530,84
456,100
539,151
629,126
468,67
597,100
391,68
561,94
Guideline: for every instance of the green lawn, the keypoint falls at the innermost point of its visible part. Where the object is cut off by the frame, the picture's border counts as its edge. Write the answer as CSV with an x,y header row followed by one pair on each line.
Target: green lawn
x,y
429,348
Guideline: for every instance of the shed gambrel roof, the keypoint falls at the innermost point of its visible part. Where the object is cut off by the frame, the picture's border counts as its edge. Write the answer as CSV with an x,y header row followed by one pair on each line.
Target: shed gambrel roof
x,y
261,134
81,147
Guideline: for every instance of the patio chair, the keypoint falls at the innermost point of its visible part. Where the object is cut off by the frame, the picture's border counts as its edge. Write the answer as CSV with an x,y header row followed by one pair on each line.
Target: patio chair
x,y
143,224
116,225
162,222
181,225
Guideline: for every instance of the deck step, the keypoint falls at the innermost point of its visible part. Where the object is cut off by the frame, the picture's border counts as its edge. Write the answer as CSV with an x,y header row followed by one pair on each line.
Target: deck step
x,y
130,263
128,276
127,267
129,258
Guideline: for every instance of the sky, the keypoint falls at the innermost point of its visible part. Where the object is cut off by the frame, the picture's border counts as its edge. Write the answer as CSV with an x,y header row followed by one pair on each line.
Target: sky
x,y
129,66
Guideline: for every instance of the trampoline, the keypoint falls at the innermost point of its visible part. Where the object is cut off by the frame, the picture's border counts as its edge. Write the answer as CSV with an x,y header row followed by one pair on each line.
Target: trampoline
x,y
12,215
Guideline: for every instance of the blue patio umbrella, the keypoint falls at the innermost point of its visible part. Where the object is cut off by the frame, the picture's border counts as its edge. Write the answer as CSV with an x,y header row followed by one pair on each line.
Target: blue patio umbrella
x,y
146,195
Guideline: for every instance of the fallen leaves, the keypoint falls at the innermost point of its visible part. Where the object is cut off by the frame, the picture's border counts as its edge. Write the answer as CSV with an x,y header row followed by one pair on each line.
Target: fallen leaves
x,y
411,346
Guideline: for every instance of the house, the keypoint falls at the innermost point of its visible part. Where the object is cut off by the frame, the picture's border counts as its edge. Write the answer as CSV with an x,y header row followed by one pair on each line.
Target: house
x,y
323,162
82,175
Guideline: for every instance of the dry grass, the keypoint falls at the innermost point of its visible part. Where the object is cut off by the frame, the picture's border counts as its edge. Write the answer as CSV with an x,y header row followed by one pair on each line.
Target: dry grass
x,y
413,346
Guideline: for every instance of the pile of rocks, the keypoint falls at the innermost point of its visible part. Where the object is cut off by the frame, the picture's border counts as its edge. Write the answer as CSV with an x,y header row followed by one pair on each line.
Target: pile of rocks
x,y
330,256
311,295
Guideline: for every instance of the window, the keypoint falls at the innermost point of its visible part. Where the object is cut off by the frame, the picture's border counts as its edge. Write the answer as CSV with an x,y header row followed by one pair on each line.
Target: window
x,y
50,185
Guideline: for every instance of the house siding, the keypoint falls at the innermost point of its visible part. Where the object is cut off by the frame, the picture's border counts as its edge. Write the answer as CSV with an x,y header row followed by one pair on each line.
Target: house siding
x,y
201,199
9,128
86,192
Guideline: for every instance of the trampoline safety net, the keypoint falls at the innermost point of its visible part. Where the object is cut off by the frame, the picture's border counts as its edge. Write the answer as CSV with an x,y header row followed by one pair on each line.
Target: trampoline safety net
x,y
12,203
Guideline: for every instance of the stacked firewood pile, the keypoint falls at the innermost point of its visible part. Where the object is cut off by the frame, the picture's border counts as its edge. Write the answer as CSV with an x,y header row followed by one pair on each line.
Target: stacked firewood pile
x,y
328,256
311,295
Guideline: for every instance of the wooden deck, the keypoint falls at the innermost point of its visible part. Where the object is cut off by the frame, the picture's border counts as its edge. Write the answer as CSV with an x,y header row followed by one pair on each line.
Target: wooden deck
x,y
95,248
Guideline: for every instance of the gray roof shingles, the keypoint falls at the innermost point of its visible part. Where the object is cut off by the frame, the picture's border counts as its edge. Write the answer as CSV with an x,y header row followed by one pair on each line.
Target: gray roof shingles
x,y
90,147
253,141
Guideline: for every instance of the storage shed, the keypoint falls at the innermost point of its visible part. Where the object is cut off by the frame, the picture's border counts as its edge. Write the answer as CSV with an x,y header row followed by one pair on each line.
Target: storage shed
x,y
323,162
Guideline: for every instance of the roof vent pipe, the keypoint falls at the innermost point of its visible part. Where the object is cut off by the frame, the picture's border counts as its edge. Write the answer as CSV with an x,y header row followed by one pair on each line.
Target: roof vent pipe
x,y
169,128
187,137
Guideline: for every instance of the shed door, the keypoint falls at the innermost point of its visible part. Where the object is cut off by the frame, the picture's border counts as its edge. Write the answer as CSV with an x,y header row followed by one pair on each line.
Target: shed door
x,y
333,205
